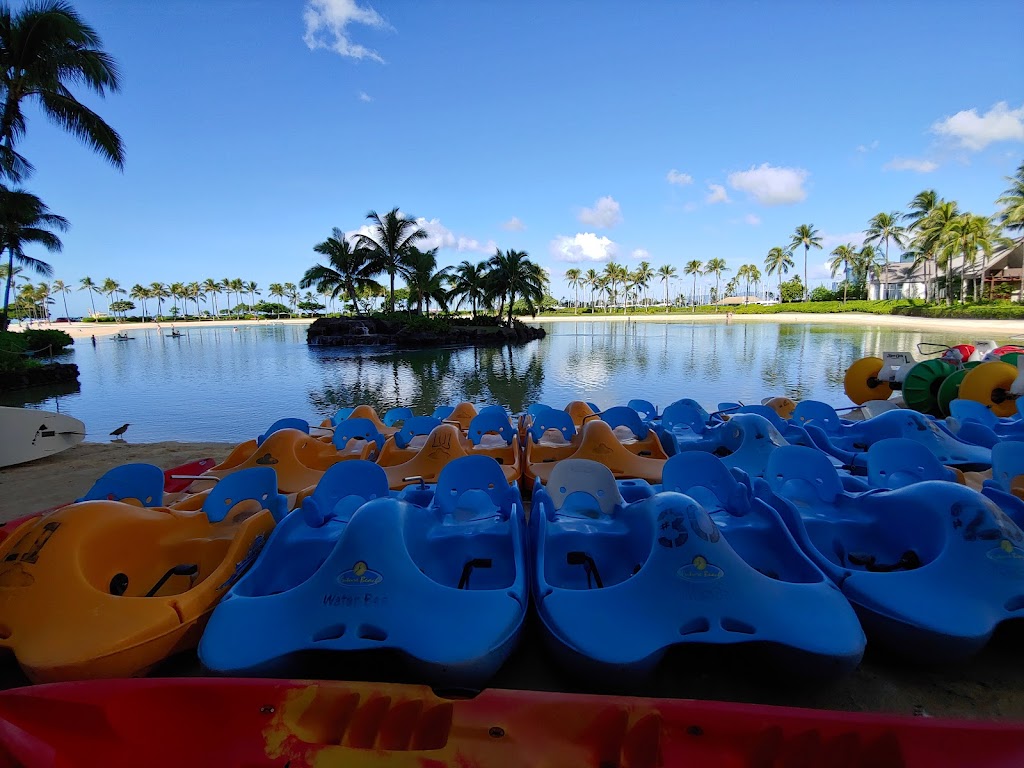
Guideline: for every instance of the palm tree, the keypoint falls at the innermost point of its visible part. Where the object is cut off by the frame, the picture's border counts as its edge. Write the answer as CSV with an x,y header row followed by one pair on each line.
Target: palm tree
x,y
693,267
141,293
195,292
932,233
178,291
755,276
842,257
1012,214
868,261
253,290
46,48
424,280
237,287
574,277
965,236
882,228
276,291
159,292
212,289
63,289
86,284
25,220
920,207
666,272
349,269
749,273
643,275
779,260
391,238
110,288
807,236
470,282
591,279
716,267
512,274
291,292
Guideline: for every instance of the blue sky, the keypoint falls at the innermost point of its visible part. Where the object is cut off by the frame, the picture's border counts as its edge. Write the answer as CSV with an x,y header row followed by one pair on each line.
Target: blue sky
x,y
578,131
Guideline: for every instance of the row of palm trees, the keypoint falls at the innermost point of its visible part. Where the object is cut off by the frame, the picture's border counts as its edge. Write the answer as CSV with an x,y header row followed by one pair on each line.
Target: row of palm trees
x,y
390,247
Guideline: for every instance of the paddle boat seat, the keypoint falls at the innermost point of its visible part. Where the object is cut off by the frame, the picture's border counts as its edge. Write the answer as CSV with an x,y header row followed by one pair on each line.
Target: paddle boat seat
x,y
139,484
822,415
974,423
394,415
632,431
617,586
783,406
444,444
1006,485
107,589
580,411
491,428
645,409
300,424
462,414
896,462
931,568
341,415
444,589
598,442
357,439
851,443
681,422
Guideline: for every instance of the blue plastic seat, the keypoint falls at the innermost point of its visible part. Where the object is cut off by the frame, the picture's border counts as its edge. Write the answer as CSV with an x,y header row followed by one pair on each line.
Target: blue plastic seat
x,y
964,410
593,406
617,588
344,488
1007,482
491,420
341,415
535,408
680,422
744,442
645,408
395,415
300,424
357,429
442,412
414,427
474,488
975,424
552,419
625,416
932,568
256,484
142,482
897,462
450,607
821,415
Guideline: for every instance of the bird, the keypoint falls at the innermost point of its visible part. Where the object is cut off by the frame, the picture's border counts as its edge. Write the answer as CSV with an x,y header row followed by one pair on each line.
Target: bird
x,y
120,430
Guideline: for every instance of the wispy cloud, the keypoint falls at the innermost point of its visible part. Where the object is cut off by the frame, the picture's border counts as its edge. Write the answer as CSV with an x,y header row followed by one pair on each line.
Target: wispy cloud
x,y
514,225
583,246
678,177
327,23
752,219
862,148
771,185
910,164
716,194
975,132
364,96
438,236
640,254
606,213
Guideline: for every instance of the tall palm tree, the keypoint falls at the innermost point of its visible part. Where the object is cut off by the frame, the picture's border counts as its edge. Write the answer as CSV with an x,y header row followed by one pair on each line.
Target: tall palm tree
x,y
349,269
932,232
425,281
842,257
110,288
882,228
159,292
574,277
276,291
212,288
779,260
25,220
644,274
141,293
291,293
59,286
919,208
693,267
391,237
195,292
470,282
807,236
716,267
666,272
86,284
965,236
177,291
749,273
868,261
591,279
512,274
1012,214
47,47
253,290
237,287
755,276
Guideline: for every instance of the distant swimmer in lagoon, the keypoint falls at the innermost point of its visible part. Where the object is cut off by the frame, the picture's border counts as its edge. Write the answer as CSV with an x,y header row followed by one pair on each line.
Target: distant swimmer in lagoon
x,y
94,339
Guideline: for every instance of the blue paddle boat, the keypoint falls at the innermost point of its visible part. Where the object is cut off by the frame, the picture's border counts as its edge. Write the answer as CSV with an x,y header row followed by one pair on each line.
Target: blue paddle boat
x,y
357,573
974,423
617,585
931,568
1006,487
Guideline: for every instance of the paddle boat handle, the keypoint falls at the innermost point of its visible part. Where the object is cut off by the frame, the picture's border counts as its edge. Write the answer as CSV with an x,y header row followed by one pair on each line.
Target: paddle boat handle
x,y
195,477
423,483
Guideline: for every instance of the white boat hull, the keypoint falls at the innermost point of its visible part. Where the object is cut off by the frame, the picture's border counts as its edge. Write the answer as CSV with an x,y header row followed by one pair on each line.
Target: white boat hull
x,y
27,434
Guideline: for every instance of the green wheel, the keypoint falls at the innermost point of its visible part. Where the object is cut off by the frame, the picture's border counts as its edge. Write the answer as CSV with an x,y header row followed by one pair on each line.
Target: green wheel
x,y
949,390
1010,357
921,386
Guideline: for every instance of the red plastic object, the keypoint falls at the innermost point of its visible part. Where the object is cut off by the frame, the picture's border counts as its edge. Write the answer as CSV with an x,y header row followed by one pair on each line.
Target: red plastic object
x,y
257,723
966,350
1007,349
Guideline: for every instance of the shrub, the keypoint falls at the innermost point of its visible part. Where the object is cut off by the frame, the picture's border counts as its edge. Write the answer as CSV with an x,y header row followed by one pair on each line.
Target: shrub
x,y
41,339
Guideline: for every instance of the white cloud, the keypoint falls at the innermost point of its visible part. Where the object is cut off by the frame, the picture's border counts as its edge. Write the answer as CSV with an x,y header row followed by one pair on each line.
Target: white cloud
x,y
868,147
678,177
327,24
752,219
828,242
690,207
583,246
976,132
910,164
514,225
364,96
438,236
717,194
605,213
640,254
771,185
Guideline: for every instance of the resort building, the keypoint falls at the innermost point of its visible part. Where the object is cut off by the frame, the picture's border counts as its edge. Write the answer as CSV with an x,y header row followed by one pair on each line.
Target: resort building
x,y
998,275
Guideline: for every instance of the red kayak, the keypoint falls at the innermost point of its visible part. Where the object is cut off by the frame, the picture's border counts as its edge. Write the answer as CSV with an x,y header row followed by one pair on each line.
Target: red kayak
x,y
170,486
254,723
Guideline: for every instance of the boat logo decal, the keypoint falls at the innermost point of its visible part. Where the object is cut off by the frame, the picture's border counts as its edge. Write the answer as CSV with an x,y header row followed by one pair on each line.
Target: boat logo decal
x,y
1006,551
265,459
242,565
360,575
671,529
43,431
700,570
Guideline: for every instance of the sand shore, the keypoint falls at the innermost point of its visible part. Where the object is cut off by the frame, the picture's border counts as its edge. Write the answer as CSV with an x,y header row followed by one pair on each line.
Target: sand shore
x,y
85,330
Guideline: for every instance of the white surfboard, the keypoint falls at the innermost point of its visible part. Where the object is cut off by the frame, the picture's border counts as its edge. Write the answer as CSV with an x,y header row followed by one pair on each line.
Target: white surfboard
x,y
27,434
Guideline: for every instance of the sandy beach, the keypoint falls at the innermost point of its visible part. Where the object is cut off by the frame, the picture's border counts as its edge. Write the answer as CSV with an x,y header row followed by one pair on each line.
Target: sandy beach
x,y
85,330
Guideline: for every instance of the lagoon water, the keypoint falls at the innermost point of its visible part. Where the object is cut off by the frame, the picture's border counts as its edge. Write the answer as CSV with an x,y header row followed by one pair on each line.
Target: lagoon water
x,y
218,384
